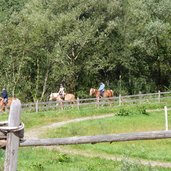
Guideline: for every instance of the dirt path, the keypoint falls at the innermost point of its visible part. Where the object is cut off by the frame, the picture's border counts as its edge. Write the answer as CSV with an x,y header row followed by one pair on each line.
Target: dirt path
x,y
36,132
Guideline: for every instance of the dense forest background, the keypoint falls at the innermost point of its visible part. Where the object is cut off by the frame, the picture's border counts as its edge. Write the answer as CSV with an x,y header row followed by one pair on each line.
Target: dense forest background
x,y
79,43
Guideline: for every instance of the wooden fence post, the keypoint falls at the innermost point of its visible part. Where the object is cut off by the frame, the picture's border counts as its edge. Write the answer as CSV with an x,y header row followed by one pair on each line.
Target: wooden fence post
x,y
120,101
78,103
37,106
98,101
11,153
159,96
166,118
140,97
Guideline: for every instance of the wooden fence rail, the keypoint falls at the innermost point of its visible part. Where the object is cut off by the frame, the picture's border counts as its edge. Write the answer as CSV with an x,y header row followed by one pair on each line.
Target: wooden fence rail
x,y
98,139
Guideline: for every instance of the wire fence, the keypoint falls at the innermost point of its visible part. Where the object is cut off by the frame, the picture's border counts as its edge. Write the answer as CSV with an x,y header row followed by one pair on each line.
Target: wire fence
x,y
159,97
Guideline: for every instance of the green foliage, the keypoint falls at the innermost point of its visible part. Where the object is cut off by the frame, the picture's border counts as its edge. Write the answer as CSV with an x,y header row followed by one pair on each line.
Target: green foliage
x,y
125,44
37,166
123,112
63,158
138,110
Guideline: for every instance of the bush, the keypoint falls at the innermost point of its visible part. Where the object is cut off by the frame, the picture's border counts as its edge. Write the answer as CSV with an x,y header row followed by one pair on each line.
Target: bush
x,y
123,112
132,111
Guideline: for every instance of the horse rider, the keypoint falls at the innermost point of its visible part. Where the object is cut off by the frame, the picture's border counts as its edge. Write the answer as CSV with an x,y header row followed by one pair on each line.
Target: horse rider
x,y
4,95
61,91
101,89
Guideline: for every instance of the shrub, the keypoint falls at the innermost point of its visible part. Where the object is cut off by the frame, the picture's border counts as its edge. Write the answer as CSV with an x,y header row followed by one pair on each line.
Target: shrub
x,y
123,112
139,110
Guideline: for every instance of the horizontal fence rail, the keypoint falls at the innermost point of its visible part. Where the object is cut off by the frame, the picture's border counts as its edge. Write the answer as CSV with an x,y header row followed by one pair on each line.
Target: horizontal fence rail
x,y
159,97
98,139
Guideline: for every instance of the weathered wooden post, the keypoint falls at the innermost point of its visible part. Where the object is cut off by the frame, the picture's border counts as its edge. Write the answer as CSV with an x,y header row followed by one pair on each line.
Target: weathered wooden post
x,y
166,118
78,103
11,153
98,101
159,96
37,106
120,101
140,97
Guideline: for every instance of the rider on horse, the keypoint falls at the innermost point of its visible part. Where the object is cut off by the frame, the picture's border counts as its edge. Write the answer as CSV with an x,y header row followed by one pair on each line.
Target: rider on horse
x,y
5,95
61,91
101,89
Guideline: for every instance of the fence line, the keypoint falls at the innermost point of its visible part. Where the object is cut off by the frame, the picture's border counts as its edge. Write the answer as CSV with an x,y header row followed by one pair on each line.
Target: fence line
x,y
114,101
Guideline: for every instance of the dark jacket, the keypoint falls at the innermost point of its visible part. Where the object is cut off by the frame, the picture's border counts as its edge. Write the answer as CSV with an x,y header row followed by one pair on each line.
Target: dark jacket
x,y
4,94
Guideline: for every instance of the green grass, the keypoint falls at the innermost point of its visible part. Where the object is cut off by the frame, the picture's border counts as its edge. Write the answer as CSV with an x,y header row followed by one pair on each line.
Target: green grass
x,y
41,118
42,159
53,160
129,119
115,124
32,119
150,150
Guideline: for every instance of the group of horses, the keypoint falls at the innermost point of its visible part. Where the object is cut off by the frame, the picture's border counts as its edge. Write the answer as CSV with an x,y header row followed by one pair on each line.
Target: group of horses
x,y
71,97
68,98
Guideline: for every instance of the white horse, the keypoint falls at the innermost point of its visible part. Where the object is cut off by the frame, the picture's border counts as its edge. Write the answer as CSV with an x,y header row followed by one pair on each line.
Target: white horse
x,y
54,96
67,97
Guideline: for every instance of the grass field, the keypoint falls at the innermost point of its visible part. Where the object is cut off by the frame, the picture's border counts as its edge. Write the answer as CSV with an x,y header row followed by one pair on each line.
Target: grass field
x,y
126,119
151,149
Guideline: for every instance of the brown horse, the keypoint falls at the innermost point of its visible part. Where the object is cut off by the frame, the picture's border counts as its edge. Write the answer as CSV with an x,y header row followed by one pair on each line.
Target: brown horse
x,y
96,93
106,94
4,106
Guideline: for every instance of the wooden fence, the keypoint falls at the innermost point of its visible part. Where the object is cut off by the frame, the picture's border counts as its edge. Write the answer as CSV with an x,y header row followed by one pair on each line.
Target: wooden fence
x,y
140,98
11,137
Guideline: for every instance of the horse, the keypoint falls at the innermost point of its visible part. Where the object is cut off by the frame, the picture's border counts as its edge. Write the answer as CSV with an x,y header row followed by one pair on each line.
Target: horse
x,y
68,98
96,93
53,96
4,106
